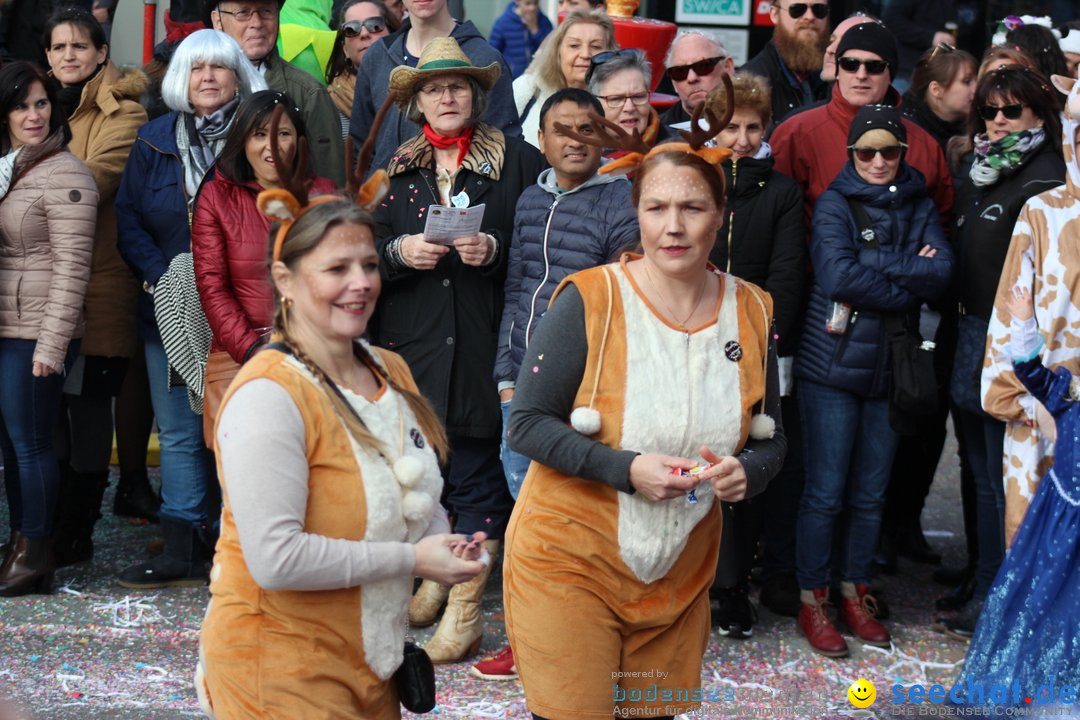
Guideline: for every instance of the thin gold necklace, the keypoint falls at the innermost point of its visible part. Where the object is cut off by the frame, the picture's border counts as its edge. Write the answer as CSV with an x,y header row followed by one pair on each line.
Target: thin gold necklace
x,y
663,300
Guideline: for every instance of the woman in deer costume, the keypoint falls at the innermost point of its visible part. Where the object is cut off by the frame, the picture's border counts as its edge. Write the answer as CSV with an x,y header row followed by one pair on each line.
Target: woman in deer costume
x,y
1042,258
642,370
331,509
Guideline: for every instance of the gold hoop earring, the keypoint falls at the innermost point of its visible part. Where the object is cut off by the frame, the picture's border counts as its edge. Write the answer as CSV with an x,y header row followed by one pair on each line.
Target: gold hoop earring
x,y
286,306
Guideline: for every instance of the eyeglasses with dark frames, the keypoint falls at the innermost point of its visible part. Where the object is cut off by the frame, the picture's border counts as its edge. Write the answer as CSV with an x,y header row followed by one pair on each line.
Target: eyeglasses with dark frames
x,y
852,65
889,153
617,101
245,14
373,25
797,10
602,57
1011,112
700,68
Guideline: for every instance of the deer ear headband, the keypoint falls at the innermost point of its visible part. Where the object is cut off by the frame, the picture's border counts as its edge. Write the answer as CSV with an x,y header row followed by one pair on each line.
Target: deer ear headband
x,y
611,135
287,203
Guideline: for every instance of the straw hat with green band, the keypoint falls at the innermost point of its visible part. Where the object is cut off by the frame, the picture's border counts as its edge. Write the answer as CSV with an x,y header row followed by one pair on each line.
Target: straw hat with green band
x,y
442,56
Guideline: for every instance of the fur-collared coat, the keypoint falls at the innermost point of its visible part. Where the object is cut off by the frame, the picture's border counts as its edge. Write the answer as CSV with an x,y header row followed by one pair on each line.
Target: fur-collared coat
x,y
445,321
103,129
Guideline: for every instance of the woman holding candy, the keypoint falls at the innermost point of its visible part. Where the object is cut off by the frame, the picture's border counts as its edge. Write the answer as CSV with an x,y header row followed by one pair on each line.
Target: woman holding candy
x,y
648,396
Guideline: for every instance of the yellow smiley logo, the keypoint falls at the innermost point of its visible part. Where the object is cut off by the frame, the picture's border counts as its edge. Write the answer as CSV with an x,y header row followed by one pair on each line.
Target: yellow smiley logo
x,y
862,693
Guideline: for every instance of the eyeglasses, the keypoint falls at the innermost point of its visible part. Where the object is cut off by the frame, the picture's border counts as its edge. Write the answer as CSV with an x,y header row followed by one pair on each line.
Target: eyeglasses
x,y
889,153
1011,112
602,57
433,90
245,14
797,10
852,65
617,101
700,68
373,25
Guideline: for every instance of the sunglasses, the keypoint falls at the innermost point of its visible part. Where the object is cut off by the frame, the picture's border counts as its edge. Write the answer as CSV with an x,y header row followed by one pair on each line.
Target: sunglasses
x,y
888,153
701,67
602,57
373,25
797,10
852,65
1011,112
943,48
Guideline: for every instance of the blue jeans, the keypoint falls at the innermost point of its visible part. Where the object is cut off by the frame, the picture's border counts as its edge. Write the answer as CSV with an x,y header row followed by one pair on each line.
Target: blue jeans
x,y
28,409
515,465
848,449
186,471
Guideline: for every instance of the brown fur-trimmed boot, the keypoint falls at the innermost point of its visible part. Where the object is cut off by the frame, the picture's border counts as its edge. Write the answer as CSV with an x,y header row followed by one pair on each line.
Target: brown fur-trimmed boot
x,y
460,630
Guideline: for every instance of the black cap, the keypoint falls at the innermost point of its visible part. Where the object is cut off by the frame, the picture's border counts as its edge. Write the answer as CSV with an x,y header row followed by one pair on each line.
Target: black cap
x,y
211,5
877,117
871,37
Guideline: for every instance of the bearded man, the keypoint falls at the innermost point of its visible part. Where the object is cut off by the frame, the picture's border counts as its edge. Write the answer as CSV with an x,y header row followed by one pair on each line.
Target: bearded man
x,y
792,59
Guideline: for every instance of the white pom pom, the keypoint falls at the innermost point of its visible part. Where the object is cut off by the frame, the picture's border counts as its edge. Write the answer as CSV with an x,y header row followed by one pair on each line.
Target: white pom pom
x,y
279,210
585,420
762,427
417,506
408,471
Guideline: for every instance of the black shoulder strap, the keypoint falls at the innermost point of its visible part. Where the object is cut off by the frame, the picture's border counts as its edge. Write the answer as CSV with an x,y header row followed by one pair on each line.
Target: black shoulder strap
x,y
528,107
893,323
862,219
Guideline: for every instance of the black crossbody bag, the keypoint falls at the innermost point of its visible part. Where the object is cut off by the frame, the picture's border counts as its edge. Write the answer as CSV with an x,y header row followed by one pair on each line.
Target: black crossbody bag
x,y
913,393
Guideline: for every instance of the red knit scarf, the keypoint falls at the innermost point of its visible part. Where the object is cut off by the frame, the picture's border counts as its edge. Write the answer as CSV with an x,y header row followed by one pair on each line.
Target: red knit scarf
x,y
463,141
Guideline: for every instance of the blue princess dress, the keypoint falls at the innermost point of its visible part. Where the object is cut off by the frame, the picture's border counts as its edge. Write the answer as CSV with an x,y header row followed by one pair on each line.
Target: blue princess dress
x,y
1029,628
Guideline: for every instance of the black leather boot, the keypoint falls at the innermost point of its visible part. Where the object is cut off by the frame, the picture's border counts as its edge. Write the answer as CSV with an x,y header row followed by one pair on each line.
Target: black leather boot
x,y
135,497
960,595
77,511
962,625
184,562
28,568
912,544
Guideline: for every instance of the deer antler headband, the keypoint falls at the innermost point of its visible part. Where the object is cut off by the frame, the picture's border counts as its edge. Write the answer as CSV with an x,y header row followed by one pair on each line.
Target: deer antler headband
x,y
611,135
287,203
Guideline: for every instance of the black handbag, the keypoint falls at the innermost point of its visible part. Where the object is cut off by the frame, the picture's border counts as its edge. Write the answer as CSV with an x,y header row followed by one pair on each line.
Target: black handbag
x,y
965,388
913,393
415,679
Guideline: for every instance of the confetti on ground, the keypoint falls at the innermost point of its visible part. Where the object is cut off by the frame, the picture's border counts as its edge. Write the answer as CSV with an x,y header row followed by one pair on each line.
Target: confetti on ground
x,y
95,651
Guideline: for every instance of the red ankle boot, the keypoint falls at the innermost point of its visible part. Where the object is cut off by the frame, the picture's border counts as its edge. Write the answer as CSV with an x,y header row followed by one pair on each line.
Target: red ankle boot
x,y
858,609
816,625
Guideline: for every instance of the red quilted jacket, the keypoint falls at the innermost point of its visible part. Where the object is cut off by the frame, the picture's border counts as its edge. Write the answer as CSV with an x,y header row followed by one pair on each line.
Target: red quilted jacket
x,y
230,246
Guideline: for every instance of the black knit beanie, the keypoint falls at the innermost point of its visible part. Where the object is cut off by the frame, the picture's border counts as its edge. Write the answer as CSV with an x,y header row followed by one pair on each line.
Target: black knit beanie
x,y
877,117
871,37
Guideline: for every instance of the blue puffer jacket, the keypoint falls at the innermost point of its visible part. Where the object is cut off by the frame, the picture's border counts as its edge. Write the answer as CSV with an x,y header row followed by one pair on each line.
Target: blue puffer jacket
x,y
557,234
152,220
891,279
510,37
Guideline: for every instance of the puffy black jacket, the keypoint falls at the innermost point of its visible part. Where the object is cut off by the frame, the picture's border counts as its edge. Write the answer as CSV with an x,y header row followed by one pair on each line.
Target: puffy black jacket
x,y
763,240
984,224
445,321
555,235
890,279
